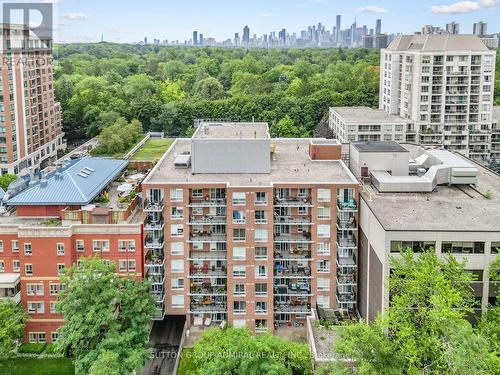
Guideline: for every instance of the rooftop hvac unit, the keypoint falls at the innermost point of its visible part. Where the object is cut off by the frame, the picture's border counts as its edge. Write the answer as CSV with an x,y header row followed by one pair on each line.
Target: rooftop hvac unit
x,y
182,161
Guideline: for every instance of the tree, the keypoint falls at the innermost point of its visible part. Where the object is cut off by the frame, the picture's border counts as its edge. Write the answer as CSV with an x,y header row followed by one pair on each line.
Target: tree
x,y
425,326
490,321
6,179
237,351
209,88
118,137
12,321
285,128
106,318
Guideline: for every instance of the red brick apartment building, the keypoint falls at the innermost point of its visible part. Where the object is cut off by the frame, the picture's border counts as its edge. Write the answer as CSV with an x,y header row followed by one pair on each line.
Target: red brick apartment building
x,y
53,221
30,118
249,230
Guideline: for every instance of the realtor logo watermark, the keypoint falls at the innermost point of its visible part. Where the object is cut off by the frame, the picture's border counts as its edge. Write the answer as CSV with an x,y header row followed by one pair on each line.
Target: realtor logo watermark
x,y
30,28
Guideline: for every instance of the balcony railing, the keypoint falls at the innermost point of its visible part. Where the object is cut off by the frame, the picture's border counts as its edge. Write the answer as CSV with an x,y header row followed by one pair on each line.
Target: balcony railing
x,y
346,261
207,237
292,201
346,242
293,290
305,237
154,244
347,205
201,272
346,279
297,309
157,279
208,290
346,298
207,220
207,202
153,225
289,220
153,206
291,271
207,255
292,254
349,224
208,308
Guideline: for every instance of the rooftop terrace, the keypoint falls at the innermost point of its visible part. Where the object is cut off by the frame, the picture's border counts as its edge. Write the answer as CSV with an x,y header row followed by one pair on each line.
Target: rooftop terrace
x,y
232,130
367,115
448,208
291,164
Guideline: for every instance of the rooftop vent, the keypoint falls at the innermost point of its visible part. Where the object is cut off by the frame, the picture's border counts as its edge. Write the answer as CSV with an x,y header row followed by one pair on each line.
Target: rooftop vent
x,y
85,172
182,161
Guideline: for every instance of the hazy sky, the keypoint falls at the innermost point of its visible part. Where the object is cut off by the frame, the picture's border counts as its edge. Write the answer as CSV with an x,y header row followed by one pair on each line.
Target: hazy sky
x,y
132,20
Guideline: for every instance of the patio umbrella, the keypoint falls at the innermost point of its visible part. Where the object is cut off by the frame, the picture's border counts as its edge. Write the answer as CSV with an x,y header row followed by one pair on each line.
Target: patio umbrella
x,y
137,176
125,188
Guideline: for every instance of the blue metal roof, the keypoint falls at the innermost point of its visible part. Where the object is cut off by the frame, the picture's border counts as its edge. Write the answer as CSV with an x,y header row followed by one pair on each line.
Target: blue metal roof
x,y
2,193
76,184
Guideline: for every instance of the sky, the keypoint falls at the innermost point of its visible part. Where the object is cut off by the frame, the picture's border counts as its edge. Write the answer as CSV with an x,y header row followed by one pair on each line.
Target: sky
x,y
132,20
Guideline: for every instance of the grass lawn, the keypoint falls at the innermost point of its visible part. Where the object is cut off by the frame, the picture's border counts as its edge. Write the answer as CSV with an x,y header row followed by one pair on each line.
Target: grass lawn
x,y
153,149
186,364
34,366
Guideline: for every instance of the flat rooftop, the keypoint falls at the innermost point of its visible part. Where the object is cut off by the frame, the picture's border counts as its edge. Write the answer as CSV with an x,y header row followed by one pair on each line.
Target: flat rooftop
x,y
379,146
448,208
291,164
437,43
232,130
367,115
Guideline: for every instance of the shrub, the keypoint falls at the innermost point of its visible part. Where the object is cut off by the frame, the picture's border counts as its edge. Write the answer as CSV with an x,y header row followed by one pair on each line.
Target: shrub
x,y
33,348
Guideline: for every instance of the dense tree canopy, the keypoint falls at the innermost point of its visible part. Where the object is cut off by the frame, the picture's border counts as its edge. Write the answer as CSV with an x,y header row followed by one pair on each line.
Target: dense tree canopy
x,y
12,321
166,88
237,351
107,318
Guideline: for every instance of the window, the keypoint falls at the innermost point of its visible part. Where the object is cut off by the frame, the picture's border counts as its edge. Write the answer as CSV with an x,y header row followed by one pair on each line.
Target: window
x,y
260,271
178,302
197,193
54,336
495,247
324,195
60,249
176,195
54,289
260,307
239,234
302,210
323,266
1,246
176,230
105,245
260,197
240,307
239,253
28,269
261,235
261,253
323,284
60,268
122,245
30,289
131,245
27,249
53,307
177,248
2,266
239,217
239,323
239,289
177,284
463,247
177,266
323,213
323,248
260,217
16,266
388,127
15,246
261,290
323,301
176,213
132,265
239,198
96,245
80,246
323,230
415,246
239,271
36,308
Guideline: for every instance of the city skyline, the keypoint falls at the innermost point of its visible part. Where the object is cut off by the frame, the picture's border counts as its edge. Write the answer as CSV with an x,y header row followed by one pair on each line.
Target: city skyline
x,y
89,21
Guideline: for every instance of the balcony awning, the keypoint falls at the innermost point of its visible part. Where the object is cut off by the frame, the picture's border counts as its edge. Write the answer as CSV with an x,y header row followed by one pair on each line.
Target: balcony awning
x,y
9,280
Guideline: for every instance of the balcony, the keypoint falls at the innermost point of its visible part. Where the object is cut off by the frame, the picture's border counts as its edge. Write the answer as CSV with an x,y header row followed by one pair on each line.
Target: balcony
x,y
291,271
207,271
207,202
304,237
293,309
154,243
349,205
206,289
157,279
346,279
208,307
151,225
348,261
207,255
293,254
346,242
207,220
349,224
153,206
157,296
289,220
292,201
346,298
297,290
207,237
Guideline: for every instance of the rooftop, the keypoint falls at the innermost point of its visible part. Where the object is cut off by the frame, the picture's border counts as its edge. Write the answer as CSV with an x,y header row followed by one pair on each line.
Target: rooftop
x,y
291,164
448,208
232,130
367,115
438,43
77,184
379,146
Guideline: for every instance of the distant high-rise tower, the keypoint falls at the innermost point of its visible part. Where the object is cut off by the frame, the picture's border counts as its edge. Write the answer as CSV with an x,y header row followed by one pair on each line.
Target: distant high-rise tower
x,y
453,28
195,38
282,37
246,35
145,40
378,27
337,29
480,28
201,40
